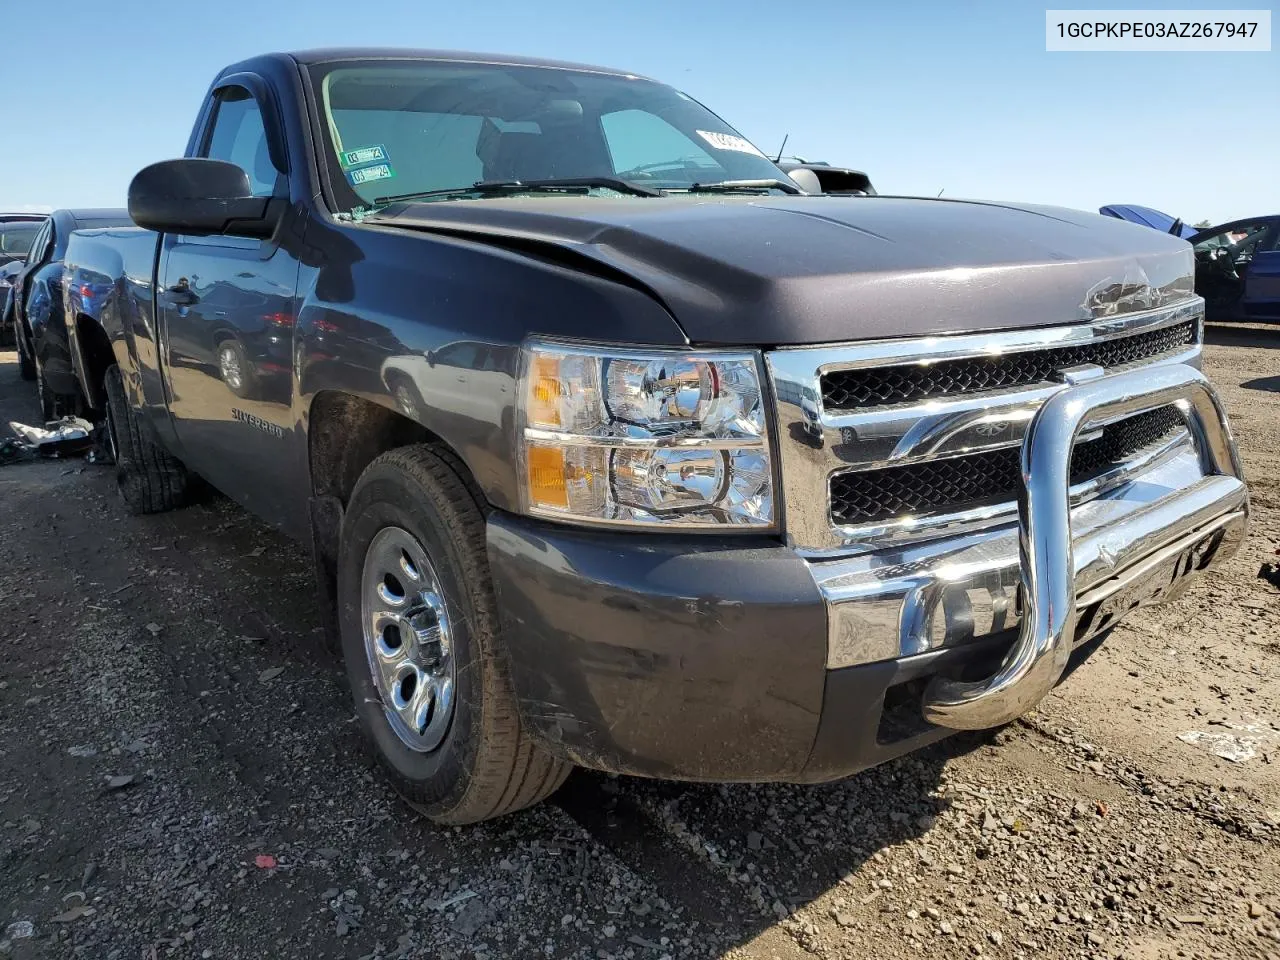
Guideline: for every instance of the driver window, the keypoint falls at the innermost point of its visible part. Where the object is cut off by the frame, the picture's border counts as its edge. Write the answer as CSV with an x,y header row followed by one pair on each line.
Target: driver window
x,y
1237,237
239,136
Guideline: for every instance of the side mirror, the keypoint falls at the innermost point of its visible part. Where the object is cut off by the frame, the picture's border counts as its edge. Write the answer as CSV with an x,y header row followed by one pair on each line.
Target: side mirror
x,y
200,197
806,180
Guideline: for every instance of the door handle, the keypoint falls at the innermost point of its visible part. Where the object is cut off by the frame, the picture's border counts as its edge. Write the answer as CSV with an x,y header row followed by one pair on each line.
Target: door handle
x,y
180,294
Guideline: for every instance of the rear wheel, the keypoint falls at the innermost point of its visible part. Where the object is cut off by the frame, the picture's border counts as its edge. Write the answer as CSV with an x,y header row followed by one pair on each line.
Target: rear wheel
x,y
26,363
53,406
420,639
150,479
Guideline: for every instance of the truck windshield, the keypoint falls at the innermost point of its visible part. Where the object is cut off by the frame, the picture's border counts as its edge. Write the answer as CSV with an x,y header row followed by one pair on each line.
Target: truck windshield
x,y
401,128
16,237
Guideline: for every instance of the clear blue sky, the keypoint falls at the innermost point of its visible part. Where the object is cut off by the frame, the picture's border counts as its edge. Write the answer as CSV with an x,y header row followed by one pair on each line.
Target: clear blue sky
x,y
923,96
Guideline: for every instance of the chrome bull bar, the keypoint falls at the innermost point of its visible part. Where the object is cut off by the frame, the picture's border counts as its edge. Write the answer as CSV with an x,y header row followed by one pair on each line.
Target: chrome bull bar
x,y
1138,544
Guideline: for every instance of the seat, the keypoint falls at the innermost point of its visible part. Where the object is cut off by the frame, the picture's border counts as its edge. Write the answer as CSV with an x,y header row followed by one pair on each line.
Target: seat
x,y
529,156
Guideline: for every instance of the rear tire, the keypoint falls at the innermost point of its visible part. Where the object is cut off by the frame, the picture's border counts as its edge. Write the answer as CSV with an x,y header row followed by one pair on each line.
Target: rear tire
x,y
484,765
53,406
26,363
150,479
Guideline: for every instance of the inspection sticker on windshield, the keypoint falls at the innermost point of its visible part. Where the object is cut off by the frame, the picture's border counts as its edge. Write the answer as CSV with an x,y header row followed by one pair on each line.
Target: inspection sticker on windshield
x,y
379,171
727,141
363,155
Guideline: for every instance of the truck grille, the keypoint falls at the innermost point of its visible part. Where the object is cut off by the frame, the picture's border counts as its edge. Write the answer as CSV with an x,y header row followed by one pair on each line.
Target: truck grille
x,y
877,386
961,483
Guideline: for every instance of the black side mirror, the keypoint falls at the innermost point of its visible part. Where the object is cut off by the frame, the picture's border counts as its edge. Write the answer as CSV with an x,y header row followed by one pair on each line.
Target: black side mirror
x,y
200,197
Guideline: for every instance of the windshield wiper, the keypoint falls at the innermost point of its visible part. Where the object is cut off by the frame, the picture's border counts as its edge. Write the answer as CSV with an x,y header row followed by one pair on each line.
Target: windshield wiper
x,y
580,185
732,186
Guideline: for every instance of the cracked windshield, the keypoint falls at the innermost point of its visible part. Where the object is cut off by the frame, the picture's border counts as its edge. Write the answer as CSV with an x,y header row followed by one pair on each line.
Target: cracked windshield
x,y
423,130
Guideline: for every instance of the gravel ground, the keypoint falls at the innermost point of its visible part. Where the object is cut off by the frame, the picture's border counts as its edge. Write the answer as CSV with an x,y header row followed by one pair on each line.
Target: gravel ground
x,y
180,776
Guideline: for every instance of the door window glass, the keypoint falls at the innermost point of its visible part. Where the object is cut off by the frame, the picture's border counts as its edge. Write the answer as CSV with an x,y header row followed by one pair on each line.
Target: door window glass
x,y
239,136
1242,238
41,243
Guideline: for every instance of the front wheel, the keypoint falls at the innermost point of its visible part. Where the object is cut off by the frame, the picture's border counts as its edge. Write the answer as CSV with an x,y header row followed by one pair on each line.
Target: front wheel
x,y
420,640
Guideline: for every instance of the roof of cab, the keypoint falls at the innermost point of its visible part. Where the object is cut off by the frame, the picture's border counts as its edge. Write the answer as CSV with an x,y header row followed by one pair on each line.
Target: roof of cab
x,y
328,54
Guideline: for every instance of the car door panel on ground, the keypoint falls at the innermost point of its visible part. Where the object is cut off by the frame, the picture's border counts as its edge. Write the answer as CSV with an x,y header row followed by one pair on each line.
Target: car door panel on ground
x,y
227,306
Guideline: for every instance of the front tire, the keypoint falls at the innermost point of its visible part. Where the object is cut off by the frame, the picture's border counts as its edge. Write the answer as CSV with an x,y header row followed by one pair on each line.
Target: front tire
x,y
150,479
419,624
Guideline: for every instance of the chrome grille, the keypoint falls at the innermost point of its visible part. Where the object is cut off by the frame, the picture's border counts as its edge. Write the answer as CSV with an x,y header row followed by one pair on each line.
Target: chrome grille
x,y
850,389
963,483
888,441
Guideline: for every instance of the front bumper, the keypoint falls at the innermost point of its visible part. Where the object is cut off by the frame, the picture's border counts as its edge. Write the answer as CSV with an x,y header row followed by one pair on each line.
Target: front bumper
x,y
686,658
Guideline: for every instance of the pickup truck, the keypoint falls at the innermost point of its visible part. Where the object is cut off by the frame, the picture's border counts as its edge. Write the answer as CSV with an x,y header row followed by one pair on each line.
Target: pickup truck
x,y
616,449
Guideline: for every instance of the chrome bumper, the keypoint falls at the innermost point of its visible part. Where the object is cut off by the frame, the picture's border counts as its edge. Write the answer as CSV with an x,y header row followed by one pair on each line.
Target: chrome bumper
x,y
1063,572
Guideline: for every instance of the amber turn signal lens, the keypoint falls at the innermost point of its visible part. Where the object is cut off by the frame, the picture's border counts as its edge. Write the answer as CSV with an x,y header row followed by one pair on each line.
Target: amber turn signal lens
x,y
544,400
547,486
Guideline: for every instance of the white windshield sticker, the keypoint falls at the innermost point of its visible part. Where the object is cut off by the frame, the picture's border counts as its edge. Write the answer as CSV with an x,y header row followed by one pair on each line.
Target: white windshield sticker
x,y
727,141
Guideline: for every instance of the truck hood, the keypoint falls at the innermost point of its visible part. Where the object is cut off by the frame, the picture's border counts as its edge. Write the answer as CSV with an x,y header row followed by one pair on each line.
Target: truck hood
x,y
802,270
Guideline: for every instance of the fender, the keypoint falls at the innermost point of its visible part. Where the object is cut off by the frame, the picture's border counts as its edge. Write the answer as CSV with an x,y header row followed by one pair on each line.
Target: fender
x,y
110,314
431,327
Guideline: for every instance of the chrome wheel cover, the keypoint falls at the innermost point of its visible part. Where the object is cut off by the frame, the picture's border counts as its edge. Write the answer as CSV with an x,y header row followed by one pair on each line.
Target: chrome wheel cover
x,y
407,639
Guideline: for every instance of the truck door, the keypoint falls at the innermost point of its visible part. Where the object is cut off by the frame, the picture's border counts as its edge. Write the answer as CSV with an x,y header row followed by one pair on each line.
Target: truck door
x,y
227,306
1262,279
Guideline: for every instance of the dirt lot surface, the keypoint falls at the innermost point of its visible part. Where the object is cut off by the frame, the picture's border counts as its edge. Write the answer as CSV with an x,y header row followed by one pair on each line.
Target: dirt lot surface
x,y
180,777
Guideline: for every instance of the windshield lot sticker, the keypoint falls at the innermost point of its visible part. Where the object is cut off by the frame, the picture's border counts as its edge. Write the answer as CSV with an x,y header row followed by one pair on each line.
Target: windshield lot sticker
x,y
379,171
363,155
727,141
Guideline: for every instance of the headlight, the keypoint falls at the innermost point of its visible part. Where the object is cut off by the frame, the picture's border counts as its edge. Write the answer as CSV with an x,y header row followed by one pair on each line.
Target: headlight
x,y
648,438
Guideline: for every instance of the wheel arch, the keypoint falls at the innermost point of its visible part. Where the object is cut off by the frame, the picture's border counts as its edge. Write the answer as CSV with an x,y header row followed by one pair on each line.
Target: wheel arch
x,y
345,433
91,356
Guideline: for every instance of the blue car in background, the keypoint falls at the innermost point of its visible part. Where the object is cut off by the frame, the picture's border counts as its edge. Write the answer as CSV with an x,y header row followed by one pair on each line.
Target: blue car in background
x,y
1237,263
36,311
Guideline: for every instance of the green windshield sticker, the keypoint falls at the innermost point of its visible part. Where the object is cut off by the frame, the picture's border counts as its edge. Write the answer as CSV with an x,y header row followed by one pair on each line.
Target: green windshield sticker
x,y
379,171
363,155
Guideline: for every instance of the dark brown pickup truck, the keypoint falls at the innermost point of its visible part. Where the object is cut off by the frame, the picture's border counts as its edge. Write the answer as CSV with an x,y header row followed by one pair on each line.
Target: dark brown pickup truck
x,y
615,448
